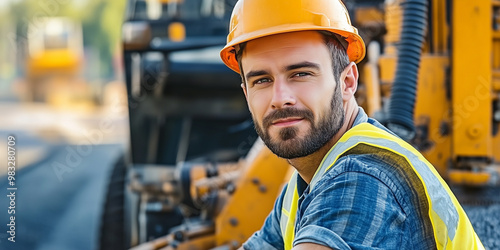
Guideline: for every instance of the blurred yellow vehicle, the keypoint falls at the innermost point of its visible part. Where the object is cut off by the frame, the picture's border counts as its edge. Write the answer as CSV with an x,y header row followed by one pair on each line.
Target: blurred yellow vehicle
x,y
55,56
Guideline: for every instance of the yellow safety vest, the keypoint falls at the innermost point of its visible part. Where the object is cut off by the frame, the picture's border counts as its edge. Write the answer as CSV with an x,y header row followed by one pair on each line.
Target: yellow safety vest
x,y
451,226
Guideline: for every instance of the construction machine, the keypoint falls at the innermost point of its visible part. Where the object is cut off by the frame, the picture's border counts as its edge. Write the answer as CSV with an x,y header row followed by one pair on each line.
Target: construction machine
x,y
197,176
54,59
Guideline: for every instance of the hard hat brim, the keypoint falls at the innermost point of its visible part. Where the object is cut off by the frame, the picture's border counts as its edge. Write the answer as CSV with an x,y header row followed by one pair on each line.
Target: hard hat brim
x,y
355,51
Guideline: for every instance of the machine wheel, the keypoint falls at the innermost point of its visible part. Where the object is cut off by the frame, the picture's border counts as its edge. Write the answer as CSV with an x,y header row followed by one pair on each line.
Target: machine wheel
x,y
112,230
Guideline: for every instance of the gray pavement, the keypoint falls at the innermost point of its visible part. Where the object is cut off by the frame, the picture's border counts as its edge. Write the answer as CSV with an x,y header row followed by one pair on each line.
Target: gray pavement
x,y
58,211
63,160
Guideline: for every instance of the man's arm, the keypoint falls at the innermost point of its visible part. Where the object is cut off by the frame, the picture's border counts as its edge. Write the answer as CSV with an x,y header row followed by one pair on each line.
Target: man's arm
x,y
310,246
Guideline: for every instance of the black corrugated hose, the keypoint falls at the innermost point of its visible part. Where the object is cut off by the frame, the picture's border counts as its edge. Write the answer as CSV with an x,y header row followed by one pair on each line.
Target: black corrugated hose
x,y
402,100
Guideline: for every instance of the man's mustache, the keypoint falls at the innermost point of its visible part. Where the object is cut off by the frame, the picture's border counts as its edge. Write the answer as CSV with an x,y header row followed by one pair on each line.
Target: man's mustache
x,y
286,113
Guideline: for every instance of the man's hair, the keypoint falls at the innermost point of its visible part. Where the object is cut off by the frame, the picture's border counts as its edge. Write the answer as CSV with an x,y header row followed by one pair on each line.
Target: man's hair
x,y
335,44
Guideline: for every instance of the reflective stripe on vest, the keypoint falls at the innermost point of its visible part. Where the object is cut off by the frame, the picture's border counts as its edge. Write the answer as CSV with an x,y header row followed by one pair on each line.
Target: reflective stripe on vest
x,y
452,229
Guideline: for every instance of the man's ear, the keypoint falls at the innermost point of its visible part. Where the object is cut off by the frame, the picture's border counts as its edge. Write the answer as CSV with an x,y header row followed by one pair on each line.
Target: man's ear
x,y
244,87
349,80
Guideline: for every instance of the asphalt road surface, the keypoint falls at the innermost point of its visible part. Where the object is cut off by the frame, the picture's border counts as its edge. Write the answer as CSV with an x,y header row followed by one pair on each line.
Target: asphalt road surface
x,y
57,207
63,158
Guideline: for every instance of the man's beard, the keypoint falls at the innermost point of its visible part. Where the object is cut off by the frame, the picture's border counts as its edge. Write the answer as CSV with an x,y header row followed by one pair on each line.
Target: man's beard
x,y
288,145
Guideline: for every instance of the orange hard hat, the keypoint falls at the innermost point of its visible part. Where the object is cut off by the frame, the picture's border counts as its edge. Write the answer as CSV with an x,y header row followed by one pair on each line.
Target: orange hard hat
x,y
252,19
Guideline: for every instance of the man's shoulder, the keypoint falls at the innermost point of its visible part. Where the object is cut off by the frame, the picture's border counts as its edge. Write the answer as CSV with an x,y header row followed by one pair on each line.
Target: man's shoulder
x,y
367,168
369,164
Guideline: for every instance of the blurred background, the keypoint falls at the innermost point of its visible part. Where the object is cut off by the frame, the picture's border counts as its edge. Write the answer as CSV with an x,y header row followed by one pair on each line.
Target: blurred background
x,y
63,98
126,126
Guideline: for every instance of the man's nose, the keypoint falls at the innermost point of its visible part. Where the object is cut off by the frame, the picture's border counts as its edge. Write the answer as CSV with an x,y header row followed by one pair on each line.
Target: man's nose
x,y
283,95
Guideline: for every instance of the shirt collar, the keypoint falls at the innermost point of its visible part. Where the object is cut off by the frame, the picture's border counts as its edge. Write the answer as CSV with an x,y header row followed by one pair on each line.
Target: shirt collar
x,y
362,117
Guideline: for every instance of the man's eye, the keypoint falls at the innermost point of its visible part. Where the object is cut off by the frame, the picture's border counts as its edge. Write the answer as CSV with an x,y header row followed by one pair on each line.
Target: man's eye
x,y
301,74
262,80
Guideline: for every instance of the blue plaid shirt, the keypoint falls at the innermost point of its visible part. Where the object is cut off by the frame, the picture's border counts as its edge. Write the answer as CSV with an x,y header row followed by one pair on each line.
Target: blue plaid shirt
x,y
360,203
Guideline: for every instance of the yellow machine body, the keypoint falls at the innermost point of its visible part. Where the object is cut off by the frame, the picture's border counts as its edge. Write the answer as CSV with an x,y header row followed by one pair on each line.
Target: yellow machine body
x,y
54,60
457,89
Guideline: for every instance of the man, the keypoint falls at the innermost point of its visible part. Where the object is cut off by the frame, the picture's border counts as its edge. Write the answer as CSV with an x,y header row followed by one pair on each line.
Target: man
x,y
356,184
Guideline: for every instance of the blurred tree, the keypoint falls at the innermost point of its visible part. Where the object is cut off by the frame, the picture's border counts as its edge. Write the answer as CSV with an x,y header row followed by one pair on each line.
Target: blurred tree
x,y
102,28
7,49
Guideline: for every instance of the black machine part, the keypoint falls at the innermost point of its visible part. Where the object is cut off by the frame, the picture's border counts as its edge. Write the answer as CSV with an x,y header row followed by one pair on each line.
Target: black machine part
x,y
403,93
